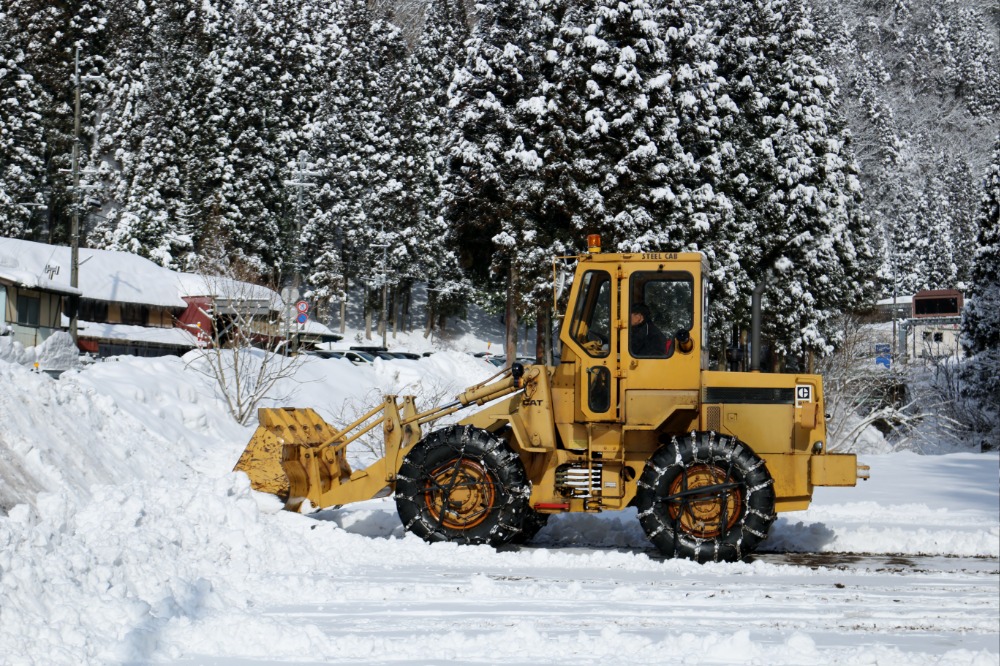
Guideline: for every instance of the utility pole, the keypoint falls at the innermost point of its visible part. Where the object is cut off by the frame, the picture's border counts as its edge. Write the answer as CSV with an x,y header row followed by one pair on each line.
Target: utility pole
x,y
300,183
74,232
382,279
890,249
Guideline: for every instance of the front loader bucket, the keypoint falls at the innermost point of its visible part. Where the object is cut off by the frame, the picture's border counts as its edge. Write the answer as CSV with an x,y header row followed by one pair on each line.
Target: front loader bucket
x,y
272,454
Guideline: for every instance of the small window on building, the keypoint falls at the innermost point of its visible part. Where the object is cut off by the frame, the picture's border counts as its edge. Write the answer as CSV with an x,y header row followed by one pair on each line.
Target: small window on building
x,y
135,315
926,336
95,311
28,310
939,337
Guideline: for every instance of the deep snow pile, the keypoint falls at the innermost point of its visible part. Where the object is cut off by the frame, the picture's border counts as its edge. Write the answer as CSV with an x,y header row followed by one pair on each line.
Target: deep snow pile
x,y
146,548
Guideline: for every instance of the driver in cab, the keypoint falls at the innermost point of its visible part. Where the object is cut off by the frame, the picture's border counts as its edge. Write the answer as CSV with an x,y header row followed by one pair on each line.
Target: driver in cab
x,y
645,339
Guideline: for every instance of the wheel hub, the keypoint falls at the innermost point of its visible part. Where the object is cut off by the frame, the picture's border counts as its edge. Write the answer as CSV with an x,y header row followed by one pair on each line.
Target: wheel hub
x,y
705,515
460,494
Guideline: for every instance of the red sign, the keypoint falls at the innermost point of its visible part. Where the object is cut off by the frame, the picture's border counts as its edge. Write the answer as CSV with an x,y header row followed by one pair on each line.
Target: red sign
x,y
302,306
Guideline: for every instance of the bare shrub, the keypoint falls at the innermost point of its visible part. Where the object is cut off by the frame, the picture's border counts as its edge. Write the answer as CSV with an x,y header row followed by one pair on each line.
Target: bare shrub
x,y
247,358
921,405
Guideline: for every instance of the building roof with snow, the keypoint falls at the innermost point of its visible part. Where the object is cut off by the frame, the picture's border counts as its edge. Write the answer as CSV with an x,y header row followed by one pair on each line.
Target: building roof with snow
x,y
104,275
118,277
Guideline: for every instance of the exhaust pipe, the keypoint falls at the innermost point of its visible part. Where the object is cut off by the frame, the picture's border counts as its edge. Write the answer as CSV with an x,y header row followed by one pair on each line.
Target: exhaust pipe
x,y
758,293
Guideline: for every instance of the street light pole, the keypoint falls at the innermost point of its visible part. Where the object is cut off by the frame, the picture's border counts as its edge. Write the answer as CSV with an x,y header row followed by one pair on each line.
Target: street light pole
x,y
383,280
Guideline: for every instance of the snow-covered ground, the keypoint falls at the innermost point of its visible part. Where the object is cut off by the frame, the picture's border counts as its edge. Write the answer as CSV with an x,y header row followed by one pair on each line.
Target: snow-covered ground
x,y
127,539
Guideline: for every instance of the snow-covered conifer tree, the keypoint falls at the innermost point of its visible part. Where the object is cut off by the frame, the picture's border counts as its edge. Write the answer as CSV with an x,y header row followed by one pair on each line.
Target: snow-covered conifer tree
x,y
47,35
432,64
494,181
981,315
795,191
616,118
302,47
243,164
22,164
358,141
155,131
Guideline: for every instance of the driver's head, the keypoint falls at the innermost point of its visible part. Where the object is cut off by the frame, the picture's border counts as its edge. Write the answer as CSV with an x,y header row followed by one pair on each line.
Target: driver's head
x,y
640,314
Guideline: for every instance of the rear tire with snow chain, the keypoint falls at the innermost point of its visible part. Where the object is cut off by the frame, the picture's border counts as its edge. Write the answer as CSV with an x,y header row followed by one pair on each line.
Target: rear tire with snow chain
x,y
706,497
462,484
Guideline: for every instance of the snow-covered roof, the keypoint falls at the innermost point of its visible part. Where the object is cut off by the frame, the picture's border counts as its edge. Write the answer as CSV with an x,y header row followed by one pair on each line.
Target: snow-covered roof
x,y
118,277
173,337
104,275
35,266
900,300
224,288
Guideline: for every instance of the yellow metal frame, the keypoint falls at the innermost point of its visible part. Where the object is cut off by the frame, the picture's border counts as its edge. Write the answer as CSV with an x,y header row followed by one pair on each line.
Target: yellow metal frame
x,y
296,455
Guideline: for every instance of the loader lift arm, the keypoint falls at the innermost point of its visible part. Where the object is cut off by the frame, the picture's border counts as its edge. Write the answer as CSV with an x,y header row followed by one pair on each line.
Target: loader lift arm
x,y
297,456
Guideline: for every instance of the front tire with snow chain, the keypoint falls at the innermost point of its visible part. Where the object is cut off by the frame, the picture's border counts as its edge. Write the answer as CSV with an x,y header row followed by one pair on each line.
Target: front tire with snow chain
x,y
706,497
462,484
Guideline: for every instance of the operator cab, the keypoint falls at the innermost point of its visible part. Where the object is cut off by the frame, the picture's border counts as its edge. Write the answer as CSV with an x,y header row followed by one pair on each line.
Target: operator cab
x,y
635,330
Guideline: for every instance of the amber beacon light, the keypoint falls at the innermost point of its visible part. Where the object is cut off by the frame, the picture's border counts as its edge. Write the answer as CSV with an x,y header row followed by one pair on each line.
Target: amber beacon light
x,y
593,243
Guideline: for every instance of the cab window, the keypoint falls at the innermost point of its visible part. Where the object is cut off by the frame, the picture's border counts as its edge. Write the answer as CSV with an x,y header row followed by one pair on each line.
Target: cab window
x,y
591,323
660,304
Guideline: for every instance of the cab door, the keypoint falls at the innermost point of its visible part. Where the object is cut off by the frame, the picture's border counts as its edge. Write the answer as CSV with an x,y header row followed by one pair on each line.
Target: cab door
x,y
594,340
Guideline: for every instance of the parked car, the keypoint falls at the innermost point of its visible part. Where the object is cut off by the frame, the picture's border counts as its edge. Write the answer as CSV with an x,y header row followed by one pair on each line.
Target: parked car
x,y
376,352
355,357
325,353
383,353
501,361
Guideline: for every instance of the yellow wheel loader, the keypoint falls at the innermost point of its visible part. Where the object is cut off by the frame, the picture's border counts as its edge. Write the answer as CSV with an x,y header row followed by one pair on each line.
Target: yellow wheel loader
x,y
630,416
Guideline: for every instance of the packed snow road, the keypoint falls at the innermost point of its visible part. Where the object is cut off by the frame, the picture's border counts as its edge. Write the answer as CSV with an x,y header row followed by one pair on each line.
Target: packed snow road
x,y
597,603
884,563
765,614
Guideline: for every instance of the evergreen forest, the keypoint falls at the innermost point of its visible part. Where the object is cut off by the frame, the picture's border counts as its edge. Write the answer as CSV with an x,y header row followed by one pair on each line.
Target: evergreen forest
x,y
839,152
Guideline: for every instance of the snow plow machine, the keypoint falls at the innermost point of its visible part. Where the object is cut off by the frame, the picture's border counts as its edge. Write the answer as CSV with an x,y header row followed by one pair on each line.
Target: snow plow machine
x,y
630,416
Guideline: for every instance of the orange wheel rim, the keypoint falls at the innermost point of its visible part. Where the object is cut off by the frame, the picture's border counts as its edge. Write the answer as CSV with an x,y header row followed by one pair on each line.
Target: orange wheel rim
x,y
702,515
459,494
